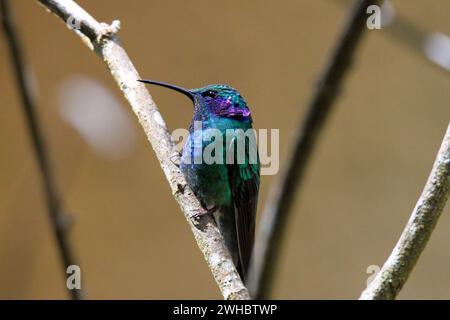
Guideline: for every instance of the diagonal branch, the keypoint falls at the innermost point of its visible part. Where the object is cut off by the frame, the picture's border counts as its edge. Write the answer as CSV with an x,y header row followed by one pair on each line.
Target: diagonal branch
x,y
56,212
391,278
102,38
278,208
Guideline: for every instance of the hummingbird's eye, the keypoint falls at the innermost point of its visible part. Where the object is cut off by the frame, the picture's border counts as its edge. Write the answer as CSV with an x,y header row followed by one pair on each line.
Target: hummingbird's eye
x,y
209,93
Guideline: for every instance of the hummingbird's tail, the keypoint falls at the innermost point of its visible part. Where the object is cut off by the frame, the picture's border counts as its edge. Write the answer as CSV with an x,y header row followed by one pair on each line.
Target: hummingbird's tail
x,y
226,223
242,271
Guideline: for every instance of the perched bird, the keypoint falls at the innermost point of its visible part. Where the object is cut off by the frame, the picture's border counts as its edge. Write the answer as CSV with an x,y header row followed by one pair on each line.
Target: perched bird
x,y
228,189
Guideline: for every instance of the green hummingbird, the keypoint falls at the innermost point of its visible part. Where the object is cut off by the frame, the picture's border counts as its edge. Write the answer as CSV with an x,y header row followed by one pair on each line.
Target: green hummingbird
x,y
228,186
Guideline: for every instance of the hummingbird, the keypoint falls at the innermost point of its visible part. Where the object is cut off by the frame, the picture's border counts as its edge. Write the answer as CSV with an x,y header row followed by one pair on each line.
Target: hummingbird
x,y
227,189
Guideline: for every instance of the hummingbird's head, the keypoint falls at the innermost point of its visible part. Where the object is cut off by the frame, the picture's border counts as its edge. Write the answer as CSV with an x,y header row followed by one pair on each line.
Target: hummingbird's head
x,y
222,100
217,99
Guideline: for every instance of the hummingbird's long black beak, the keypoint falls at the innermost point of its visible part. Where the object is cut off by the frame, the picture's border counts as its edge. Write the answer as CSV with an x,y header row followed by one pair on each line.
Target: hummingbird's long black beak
x,y
182,90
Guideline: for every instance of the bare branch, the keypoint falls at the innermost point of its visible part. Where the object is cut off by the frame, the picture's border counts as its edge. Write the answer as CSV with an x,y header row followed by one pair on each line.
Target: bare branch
x,y
278,208
102,38
58,218
391,278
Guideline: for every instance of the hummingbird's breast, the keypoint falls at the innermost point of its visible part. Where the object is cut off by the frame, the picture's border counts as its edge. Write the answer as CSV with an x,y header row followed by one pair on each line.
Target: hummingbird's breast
x,y
203,160
209,181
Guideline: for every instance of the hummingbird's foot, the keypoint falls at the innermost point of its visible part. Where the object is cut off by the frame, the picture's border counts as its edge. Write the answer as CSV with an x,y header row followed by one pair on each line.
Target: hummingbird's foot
x,y
176,159
206,211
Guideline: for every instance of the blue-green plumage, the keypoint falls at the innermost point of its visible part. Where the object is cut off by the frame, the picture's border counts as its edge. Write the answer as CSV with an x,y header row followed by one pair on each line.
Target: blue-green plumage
x,y
221,165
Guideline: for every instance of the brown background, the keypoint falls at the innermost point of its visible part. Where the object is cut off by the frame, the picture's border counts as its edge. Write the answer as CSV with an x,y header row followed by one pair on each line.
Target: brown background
x,y
129,235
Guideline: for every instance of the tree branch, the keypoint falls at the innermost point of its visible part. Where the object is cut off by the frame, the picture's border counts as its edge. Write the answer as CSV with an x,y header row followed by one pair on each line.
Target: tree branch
x,y
102,38
391,278
57,215
278,207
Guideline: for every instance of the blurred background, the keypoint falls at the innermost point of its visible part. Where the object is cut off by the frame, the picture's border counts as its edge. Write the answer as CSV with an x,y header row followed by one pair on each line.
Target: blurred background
x,y
129,236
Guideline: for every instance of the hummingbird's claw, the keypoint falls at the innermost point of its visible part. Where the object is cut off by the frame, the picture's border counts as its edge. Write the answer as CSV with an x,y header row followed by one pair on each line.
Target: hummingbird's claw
x,y
204,212
176,158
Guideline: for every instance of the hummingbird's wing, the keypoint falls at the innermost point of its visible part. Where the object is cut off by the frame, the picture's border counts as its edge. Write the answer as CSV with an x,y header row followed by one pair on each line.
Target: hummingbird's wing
x,y
243,174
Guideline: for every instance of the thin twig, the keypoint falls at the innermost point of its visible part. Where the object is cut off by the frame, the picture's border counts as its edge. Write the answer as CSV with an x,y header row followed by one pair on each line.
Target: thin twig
x,y
394,273
58,218
279,205
102,38
406,32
